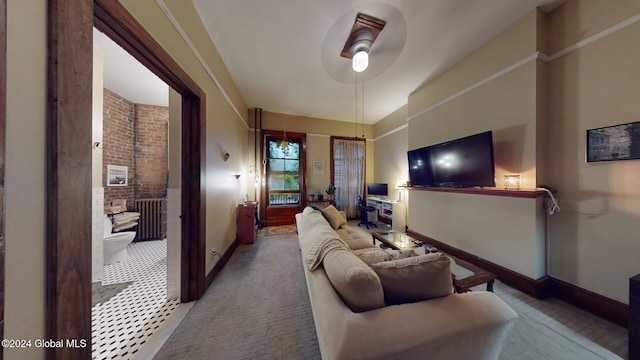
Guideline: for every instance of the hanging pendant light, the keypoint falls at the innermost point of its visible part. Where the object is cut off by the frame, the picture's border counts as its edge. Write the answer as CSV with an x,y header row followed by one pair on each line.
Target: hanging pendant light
x,y
361,60
283,144
362,41
364,32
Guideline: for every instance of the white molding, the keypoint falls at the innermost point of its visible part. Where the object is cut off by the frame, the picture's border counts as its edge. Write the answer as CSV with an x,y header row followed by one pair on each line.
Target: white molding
x,y
529,58
535,56
595,37
201,60
391,131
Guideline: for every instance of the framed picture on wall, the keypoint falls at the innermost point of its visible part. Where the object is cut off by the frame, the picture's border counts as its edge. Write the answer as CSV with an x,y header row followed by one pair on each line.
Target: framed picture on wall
x,y
117,175
618,142
318,167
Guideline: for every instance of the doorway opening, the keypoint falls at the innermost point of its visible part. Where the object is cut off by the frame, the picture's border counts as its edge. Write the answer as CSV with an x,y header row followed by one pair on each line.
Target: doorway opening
x,y
68,251
133,291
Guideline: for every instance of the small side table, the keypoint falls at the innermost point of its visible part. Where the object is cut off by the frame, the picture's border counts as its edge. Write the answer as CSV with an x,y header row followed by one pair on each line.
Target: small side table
x,y
246,223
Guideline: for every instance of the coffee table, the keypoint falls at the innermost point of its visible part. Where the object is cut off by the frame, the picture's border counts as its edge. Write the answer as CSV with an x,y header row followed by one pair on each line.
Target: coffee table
x,y
465,275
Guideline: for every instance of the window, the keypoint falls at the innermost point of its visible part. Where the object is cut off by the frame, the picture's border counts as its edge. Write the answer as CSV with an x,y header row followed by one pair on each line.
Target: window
x,y
283,171
348,170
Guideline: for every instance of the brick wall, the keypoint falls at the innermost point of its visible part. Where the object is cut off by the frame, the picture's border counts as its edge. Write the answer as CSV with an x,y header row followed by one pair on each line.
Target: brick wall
x,y
117,138
151,151
135,136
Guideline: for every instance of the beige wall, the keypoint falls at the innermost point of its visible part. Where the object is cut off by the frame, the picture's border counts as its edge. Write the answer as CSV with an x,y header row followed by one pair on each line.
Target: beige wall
x,y
594,242
25,177
495,88
319,132
226,127
540,111
391,151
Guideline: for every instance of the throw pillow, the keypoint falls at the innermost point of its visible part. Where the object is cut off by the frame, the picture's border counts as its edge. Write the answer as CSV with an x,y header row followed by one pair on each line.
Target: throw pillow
x,y
355,282
415,278
374,255
309,209
333,217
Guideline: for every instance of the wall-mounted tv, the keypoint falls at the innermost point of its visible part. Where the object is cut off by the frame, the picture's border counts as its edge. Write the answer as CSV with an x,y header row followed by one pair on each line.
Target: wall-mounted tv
x,y
463,162
377,189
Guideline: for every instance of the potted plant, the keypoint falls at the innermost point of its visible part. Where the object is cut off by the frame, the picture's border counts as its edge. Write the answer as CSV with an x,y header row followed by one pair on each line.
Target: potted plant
x,y
320,197
330,191
312,197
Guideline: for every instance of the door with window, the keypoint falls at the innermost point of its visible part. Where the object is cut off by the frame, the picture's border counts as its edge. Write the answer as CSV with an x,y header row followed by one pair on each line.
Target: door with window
x,y
283,188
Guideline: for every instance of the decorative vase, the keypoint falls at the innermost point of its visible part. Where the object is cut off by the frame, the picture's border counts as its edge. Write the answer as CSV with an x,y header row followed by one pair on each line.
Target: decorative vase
x,y
312,197
320,197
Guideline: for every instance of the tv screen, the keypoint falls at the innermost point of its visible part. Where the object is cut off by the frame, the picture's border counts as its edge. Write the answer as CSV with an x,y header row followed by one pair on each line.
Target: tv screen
x,y
377,189
463,162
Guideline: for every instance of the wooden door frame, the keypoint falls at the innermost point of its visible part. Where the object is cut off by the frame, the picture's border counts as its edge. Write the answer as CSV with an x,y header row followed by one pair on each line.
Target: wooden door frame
x,y
70,67
264,201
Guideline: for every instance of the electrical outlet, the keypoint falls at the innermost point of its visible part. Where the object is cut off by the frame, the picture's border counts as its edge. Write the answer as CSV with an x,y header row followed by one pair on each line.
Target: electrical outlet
x,y
214,252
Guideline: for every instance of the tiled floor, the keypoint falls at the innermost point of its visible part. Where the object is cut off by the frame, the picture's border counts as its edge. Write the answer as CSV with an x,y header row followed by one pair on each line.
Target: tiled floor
x,y
121,325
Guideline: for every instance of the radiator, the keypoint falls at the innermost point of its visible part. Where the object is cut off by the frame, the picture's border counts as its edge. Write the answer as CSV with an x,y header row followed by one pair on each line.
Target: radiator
x,y
153,218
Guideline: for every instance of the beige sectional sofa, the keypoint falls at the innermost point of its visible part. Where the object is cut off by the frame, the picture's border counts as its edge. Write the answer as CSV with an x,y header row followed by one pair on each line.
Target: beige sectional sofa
x,y
354,318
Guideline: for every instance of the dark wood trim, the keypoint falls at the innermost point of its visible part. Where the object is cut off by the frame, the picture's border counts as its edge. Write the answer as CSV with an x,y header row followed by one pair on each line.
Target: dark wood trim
x,y
221,263
609,309
284,213
3,125
70,67
115,21
193,199
522,193
604,307
69,109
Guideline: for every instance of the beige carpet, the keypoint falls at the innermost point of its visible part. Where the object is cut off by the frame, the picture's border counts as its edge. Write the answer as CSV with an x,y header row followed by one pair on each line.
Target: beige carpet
x,y
258,308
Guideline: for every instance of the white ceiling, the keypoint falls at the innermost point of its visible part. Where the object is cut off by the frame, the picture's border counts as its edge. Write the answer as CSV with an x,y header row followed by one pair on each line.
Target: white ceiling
x,y
127,77
284,55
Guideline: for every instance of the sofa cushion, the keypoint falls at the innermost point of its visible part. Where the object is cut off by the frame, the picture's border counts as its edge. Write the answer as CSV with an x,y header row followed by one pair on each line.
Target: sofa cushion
x,y
355,239
355,282
374,255
334,217
415,278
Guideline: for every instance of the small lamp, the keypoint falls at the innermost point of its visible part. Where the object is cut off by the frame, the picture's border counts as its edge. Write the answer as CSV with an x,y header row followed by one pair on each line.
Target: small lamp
x,y
400,185
512,182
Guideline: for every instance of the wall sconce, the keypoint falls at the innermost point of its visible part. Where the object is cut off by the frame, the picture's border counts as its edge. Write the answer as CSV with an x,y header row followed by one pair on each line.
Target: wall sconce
x,y
237,175
512,182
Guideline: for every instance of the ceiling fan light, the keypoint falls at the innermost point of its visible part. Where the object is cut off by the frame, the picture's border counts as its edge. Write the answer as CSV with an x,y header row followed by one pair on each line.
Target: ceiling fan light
x,y
360,61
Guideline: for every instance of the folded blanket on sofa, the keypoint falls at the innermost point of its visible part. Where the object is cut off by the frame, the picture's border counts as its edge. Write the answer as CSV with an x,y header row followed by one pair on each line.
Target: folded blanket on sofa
x,y
319,240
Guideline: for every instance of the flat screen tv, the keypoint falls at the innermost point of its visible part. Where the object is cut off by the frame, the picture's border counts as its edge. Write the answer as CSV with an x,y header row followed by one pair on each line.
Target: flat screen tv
x,y
464,162
377,189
